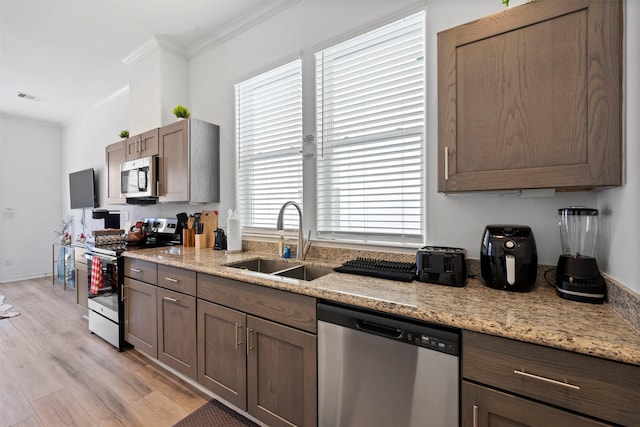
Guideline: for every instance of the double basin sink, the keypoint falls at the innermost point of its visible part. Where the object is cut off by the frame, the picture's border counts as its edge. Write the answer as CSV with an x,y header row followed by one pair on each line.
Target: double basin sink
x,y
278,268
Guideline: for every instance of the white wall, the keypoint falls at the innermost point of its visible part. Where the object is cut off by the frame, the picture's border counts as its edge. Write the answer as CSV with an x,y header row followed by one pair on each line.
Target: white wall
x,y
30,194
85,139
620,207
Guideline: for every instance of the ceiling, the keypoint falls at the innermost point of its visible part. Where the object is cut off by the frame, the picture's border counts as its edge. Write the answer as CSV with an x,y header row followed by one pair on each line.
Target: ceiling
x,y
68,54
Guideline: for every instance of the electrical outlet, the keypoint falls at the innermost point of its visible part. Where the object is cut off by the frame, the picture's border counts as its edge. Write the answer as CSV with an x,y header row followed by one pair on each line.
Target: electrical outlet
x,y
125,215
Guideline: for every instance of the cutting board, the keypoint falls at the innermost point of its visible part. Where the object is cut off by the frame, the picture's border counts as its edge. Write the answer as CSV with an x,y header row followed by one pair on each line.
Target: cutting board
x,y
210,221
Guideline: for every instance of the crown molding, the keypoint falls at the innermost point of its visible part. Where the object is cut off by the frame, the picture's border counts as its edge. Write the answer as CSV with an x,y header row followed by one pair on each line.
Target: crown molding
x,y
152,45
238,26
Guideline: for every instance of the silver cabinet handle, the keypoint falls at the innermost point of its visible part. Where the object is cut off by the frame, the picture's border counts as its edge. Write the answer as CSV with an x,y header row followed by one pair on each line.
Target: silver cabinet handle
x,y
546,380
135,270
475,415
446,163
238,341
122,297
171,279
170,299
249,346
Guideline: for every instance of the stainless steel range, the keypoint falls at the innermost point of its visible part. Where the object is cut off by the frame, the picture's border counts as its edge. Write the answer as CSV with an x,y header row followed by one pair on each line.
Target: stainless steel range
x,y
106,278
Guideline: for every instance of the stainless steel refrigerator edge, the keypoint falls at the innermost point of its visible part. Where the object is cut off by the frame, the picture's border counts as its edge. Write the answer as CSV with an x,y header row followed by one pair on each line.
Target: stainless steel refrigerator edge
x,y
377,370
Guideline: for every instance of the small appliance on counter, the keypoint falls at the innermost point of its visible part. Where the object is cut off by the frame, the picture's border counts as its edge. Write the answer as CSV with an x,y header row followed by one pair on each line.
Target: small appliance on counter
x,y
509,258
220,240
577,274
441,265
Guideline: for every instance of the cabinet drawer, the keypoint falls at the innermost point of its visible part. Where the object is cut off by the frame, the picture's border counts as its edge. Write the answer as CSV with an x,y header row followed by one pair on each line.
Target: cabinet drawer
x,y
78,254
592,386
298,311
177,279
144,271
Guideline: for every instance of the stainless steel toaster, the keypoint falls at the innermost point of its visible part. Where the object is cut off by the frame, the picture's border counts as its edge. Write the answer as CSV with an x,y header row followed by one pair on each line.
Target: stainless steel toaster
x,y
441,265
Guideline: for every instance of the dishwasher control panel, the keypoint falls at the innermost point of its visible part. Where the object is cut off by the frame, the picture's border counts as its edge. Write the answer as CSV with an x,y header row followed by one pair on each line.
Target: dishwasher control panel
x,y
437,340
432,337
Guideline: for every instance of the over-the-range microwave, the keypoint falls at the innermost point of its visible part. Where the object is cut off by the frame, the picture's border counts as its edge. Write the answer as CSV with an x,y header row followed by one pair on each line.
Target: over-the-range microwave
x,y
139,180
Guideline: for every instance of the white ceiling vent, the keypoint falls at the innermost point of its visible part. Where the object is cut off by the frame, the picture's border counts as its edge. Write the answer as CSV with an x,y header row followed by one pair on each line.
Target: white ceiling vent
x,y
27,96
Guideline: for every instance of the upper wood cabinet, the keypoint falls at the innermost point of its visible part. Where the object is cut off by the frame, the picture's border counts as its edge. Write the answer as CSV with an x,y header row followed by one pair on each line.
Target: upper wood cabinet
x,y
189,154
115,155
143,145
531,98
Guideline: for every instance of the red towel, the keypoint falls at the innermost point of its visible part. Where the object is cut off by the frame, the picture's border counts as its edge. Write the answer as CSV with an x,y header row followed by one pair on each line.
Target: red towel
x,y
96,275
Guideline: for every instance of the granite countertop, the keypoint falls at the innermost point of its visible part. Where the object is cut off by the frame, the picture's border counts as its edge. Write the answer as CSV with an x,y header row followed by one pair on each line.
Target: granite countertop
x,y
539,317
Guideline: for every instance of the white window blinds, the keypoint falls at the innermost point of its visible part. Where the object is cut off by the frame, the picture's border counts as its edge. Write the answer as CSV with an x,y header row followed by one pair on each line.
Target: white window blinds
x,y
269,144
370,123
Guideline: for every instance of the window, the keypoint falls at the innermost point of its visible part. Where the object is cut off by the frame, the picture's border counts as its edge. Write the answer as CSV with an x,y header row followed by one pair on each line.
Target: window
x,y
269,144
370,111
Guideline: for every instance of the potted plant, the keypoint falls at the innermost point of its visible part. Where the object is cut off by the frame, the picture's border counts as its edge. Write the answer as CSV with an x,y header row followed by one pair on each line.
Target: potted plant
x,y
181,112
124,134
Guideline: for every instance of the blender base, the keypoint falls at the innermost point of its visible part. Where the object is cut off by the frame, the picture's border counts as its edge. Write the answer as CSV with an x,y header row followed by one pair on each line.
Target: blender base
x,y
578,279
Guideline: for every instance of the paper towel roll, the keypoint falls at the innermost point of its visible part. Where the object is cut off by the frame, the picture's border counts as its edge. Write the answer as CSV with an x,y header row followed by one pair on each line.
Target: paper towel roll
x,y
234,232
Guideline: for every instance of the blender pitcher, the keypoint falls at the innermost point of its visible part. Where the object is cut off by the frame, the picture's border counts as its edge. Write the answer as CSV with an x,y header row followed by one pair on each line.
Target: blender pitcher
x,y
577,274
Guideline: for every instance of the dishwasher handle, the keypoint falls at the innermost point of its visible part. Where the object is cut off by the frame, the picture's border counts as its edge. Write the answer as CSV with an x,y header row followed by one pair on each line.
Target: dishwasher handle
x,y
378,329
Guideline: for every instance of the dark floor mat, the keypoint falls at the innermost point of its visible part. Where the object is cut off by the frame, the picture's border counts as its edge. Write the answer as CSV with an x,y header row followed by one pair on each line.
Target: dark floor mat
x,y
214,414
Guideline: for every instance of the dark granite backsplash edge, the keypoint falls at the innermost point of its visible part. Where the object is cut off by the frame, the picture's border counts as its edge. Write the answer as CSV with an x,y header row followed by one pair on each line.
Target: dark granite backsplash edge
x,y
620,298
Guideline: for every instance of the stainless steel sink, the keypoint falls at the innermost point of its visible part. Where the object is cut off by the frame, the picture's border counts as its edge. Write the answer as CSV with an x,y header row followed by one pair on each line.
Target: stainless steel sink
x,y
262,265
305,272
282,268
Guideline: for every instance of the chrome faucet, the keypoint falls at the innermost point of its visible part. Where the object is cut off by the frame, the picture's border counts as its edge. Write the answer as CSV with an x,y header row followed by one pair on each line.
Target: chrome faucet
x,y
280,226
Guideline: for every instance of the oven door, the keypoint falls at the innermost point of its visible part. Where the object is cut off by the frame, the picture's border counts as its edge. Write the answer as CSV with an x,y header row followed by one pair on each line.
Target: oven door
x,y
138,178
105,297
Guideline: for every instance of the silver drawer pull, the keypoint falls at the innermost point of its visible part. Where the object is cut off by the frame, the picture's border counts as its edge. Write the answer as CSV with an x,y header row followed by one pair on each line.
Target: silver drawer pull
x,y
546,380
475,415
171,279
170,299
135,270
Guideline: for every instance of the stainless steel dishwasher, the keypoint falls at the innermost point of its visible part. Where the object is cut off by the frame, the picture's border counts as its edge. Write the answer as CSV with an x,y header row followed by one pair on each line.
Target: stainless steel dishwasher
x,y
378,370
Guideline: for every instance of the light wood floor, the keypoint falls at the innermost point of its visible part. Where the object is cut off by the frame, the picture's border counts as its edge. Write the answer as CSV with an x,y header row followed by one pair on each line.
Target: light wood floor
x,y
54,372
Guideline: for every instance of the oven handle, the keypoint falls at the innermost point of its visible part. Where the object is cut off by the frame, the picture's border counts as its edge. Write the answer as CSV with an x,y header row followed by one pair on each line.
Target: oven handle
x,y
89,257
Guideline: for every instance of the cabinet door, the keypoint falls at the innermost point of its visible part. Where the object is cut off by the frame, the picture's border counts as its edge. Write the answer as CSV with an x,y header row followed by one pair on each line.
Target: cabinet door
x,y
82,286
140,320
484,407
177,331
143,145
530,98
222,357
115,155
281,374
174,162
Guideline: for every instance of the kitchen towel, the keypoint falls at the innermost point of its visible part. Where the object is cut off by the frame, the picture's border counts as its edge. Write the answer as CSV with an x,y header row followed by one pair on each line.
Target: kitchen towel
x,y
96,275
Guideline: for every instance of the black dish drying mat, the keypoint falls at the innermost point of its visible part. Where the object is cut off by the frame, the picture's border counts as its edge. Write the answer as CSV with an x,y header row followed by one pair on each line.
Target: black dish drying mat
x,y
392,270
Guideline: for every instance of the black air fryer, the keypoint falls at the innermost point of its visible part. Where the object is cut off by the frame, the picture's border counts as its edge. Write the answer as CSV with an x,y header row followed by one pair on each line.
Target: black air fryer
x,y
508,257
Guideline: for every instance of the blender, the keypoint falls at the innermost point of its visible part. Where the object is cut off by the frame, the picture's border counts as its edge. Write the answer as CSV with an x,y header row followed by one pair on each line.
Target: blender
x,y
577,274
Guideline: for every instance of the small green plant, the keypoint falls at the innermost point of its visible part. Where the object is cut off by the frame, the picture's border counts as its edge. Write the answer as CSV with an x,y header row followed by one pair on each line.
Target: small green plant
x,y
124,134
181,112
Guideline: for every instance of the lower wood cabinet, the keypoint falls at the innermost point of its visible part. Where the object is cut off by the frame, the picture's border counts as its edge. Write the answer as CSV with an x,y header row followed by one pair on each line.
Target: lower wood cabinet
x,y
222,352
249,355
281,374
485,407
260,366
508,383
177,331
140,316
82,277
